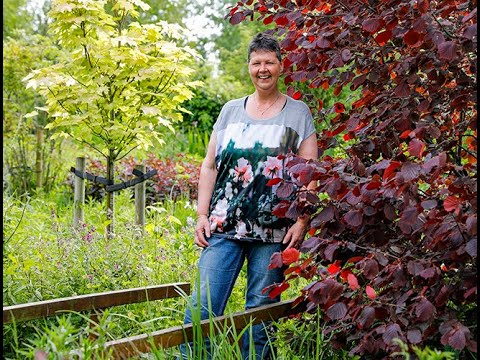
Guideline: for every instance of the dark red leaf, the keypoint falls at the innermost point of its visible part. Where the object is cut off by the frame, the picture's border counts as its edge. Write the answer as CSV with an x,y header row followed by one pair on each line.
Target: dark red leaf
x,y
276,261
366,318
353,218
383,37
429,204
337,311
414,336
410,171
372,25
402,90
290,255
416,148
285,190
470,32
323,217
424,309
423,6
412,38
471,247
392,331
281,208
237,18
447,50
390,169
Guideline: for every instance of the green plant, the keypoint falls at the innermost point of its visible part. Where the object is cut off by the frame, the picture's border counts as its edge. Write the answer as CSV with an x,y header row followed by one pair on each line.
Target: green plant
x,y
126,80
423,353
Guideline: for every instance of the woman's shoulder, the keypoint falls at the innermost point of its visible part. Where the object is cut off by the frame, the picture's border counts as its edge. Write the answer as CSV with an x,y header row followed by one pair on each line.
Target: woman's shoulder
x,y
296,105
235,103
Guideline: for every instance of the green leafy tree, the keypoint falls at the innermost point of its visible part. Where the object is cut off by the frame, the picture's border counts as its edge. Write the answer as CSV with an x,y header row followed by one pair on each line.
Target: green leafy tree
x,y
15,16
122,84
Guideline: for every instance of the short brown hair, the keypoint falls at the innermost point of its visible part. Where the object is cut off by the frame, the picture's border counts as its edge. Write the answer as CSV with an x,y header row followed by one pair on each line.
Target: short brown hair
x,y
266,42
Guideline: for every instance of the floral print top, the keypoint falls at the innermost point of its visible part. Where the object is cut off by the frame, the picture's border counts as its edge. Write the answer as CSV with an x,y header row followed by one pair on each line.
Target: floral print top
x,y
246,159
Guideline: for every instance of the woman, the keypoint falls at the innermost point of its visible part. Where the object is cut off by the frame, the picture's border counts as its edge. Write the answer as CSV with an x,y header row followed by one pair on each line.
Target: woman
x,y
235,220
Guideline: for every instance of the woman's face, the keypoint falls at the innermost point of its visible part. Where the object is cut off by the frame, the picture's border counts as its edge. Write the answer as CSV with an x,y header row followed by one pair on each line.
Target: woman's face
x,y
264,69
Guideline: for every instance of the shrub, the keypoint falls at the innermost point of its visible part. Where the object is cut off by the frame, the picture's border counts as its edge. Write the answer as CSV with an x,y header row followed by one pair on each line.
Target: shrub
x,y
392,246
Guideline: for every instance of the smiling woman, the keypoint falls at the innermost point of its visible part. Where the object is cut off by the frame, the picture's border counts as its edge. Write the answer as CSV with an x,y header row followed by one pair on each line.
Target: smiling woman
x,y
248,150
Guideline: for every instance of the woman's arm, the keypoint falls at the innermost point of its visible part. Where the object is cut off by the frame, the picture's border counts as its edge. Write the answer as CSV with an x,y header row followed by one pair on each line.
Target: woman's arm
x,y
206,184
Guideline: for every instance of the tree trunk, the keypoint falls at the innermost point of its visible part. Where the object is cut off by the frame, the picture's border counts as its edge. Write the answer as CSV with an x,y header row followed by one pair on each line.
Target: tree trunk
x,y
110,196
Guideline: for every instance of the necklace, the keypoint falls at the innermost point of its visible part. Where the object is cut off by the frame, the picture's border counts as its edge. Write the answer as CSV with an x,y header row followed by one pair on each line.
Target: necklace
x,y
265,110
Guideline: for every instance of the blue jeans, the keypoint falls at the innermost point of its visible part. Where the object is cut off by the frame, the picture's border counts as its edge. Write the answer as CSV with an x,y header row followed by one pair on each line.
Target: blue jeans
x,y
221,263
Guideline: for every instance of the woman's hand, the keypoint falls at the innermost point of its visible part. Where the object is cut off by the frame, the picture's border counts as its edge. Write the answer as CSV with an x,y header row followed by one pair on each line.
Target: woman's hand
x,y
296,233
201,229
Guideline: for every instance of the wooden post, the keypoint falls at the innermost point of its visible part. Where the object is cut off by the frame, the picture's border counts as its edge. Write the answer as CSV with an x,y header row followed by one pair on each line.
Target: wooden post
x,y
39,159
140,201
79,198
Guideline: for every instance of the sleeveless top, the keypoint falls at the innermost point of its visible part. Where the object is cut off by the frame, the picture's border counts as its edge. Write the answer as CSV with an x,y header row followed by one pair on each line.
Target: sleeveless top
x,y
246,159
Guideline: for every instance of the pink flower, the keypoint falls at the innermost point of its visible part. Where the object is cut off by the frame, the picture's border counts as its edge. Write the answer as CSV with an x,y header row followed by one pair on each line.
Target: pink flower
x,y
243,172
218,215
272,167
241,229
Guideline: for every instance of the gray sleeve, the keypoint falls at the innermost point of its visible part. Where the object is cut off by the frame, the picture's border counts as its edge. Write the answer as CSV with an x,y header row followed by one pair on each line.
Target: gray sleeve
x,y
309,128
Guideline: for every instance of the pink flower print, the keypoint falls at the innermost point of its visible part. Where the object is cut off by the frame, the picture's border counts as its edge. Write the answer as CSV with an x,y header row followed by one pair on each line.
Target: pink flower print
x,y
272,167
240,229
243,172
218,215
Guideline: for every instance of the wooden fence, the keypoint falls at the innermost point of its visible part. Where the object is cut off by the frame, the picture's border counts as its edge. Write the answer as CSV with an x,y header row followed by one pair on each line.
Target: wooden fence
x,y
132,346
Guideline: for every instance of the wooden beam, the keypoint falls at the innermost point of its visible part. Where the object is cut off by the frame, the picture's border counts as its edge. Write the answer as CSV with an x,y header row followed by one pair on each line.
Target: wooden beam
x,y
98,301
131,346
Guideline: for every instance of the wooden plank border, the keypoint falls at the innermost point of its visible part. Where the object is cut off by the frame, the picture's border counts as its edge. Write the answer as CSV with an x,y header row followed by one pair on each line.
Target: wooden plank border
x,y
131,346
40,309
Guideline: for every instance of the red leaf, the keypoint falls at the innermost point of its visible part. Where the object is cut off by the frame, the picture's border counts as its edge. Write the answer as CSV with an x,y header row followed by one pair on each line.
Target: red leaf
x,y
278,290
447,50
333,268
383,37
297,95
390,169
262,9
416,148
423,6
370,292
452,203
281,209
337,311
412,38
339,107
410,171
268,20
274,181
290,256
281,21
237,18
405,134
352,282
